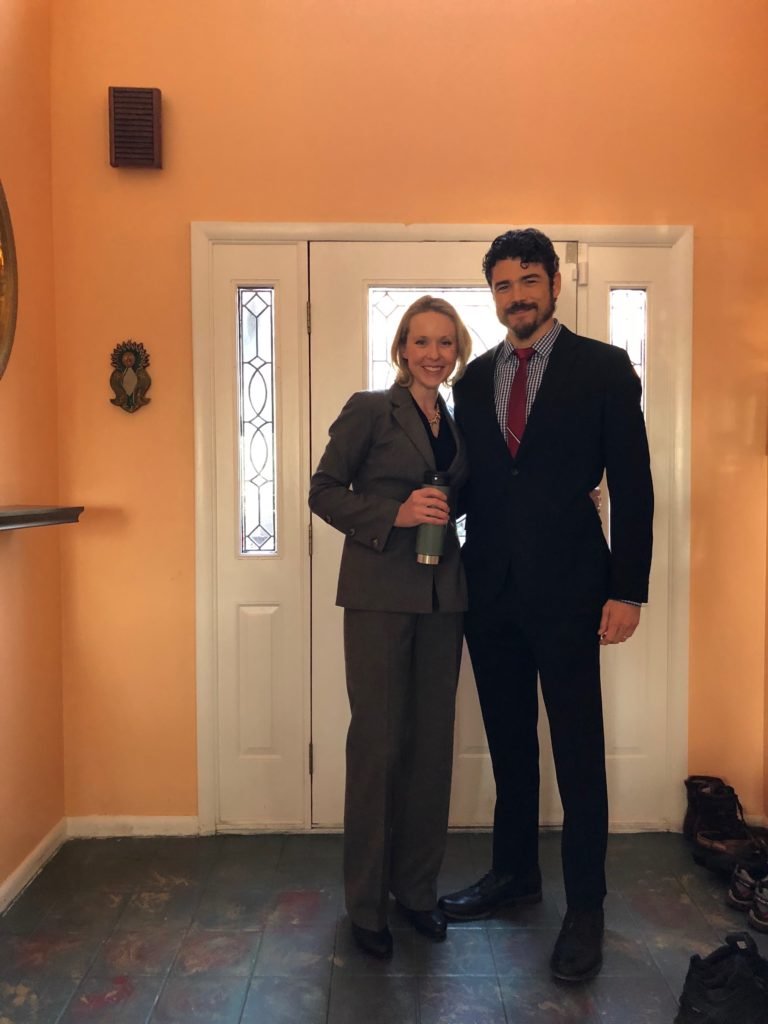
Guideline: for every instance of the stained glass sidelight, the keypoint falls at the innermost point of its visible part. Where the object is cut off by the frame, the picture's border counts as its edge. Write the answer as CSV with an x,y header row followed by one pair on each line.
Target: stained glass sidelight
x,y
628,325
256,366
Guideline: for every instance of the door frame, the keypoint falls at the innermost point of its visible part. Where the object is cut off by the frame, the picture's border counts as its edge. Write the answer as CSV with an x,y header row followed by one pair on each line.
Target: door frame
x,y
207,234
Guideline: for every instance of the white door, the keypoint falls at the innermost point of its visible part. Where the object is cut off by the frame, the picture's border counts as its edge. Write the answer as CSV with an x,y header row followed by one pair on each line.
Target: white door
x,y
347,280
261,574
628,302
358,293
254,602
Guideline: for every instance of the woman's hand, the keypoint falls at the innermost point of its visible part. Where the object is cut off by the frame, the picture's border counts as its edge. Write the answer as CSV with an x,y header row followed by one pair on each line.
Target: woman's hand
x,y
424,505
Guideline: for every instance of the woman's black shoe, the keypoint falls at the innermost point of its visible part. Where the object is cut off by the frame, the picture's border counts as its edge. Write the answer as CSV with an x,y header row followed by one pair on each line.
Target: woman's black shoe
x,y
431,923
373,943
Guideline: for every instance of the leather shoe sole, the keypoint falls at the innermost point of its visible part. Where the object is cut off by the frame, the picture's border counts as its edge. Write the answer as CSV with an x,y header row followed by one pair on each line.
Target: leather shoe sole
x,y
378,944
431,923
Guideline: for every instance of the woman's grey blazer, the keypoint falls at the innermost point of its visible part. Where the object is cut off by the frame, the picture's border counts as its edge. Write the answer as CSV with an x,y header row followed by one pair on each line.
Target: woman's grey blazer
x,y
377,454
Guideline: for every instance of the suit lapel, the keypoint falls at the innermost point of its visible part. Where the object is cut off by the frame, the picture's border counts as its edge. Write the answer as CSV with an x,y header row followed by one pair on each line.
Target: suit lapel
x,y
404,411
486,400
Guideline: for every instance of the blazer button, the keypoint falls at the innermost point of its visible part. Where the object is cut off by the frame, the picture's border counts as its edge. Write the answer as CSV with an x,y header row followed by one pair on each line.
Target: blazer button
x,y
328,519
351,531
515,471
375,542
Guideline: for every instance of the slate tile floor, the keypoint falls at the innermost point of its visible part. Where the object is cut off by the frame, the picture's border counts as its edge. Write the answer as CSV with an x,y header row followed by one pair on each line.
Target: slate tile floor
x,y
251,930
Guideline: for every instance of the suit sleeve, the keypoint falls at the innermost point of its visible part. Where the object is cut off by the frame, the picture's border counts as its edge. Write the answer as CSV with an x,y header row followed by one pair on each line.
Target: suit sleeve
x,y
367,518
628,473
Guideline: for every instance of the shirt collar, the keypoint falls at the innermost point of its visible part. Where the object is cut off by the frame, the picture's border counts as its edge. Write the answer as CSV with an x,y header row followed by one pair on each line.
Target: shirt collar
x,y
543,346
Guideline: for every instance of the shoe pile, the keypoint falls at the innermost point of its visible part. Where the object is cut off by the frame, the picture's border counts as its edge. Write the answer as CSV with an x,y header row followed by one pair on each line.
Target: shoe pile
x,y
730,986
714,824
748,891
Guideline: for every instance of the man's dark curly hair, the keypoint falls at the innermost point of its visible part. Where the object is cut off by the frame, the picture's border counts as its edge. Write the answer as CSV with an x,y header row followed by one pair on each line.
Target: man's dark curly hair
x,y
525,244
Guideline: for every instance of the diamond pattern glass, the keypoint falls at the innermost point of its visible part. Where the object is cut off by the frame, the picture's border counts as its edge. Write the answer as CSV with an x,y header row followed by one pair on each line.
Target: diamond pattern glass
x,y
256,365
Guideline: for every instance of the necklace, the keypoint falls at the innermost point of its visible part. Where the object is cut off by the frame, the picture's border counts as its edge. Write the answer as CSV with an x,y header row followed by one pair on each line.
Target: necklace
x,y
434,421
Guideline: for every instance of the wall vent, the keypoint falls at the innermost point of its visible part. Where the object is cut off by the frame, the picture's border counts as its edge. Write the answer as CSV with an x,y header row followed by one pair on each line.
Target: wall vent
x,y
134,127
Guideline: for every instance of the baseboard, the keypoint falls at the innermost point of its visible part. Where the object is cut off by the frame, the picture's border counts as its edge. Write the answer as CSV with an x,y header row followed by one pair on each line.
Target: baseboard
x,y
29,867
97,826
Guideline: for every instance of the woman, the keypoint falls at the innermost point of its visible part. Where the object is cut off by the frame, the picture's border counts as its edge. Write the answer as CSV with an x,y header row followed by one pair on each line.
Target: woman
x,y
402,624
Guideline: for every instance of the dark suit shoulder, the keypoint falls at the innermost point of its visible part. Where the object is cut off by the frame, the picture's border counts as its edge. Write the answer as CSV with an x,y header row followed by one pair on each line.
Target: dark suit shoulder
x,y
591,347
368,402
479,369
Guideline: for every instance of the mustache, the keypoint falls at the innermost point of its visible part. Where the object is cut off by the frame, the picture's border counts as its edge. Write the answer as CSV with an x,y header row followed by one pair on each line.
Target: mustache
x,y
520,307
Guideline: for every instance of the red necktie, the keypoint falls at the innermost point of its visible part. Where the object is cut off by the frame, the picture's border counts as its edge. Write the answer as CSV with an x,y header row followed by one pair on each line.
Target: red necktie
x,y
517,401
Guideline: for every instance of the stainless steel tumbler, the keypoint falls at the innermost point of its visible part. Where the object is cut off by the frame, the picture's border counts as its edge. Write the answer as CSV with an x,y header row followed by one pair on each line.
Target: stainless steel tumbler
x,y
430,536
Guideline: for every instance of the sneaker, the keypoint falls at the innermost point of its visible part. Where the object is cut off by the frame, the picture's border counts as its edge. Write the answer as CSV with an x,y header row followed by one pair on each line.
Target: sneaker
x,y
758,912
728,986
741,891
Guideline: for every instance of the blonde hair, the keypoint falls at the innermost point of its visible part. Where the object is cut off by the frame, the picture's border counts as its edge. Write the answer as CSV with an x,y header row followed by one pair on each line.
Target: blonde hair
x,y
429,304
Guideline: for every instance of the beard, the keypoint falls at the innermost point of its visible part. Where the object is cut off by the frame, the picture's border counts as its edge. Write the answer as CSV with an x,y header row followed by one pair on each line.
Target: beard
x,y
524,331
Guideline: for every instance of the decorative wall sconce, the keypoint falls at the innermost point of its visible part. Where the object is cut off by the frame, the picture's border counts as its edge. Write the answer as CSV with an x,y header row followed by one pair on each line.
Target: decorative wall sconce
x,y
129,379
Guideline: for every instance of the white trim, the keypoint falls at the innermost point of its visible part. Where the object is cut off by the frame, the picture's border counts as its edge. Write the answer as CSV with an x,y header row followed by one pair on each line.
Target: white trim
x,y
29,867
205,527
680,356
212,232
98,826
206,234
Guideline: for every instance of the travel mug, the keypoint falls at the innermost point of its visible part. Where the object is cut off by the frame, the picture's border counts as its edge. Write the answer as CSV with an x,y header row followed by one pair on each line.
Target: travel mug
x,y
430,536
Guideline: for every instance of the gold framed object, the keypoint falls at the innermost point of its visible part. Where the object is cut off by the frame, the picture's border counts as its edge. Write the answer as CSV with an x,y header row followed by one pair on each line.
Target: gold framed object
x,y
9,283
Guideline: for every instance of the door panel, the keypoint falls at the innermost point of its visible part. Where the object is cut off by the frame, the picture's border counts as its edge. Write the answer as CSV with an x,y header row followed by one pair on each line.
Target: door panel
x,y
635,674
262,627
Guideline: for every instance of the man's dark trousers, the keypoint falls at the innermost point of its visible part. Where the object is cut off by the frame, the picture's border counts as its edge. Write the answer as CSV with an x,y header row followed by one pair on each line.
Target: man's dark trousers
x,y
510,646
539,571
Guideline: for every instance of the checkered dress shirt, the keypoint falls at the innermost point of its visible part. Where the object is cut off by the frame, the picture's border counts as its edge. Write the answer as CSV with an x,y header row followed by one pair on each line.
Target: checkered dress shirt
x,y
506,368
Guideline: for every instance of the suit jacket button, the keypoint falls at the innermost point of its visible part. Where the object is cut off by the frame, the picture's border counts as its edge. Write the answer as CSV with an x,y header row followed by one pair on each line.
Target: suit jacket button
x,y
515,471
375,542
351,531
328,519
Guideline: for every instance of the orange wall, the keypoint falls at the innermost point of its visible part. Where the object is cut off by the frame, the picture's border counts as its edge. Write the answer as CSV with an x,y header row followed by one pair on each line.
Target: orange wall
x,y
387,110
31,757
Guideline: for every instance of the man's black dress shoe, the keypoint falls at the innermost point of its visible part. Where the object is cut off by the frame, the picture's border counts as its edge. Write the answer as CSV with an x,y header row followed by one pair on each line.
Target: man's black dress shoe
x,y
378,944
578,952
431,923
494,890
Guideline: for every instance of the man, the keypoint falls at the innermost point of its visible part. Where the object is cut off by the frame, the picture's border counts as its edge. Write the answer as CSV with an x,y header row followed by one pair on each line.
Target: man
x,y
543,415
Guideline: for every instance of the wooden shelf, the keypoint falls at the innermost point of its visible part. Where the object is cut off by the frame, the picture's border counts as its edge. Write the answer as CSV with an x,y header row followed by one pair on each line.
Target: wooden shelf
x,y
21,517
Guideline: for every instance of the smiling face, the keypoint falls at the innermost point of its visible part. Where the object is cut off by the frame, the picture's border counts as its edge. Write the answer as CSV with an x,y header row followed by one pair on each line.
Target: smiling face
x,y
525,299
430,349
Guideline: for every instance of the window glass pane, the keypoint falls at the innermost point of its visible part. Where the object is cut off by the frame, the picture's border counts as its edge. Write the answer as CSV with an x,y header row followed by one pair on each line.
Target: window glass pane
x,y
387,305
256,365
629,326
385,309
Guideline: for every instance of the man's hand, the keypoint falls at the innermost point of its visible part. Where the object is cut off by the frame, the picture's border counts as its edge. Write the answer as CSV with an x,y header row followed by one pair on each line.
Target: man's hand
x,y
618,622
424,505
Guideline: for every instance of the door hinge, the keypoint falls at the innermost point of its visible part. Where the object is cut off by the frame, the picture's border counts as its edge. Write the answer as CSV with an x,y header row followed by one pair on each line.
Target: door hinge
x,y
309,317
311,759
309,539
582,277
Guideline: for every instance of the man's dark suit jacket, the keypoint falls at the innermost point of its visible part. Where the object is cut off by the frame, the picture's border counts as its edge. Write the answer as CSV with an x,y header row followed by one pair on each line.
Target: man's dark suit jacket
x,y
532,516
